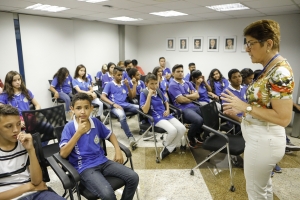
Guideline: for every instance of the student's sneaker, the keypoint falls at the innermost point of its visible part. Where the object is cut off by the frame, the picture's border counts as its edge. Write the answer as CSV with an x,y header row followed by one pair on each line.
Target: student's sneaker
x,y
148,136
277,169
164,153
272,174
292,147
131,141
193,145
287,151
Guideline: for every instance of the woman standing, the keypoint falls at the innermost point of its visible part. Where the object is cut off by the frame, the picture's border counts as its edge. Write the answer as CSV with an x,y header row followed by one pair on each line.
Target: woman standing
x,y
269,108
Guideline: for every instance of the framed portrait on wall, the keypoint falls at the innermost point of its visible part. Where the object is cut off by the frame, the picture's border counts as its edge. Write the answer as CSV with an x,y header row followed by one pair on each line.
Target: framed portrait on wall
x,y
229,43
197,43
170,44
183,44
244,44
213,43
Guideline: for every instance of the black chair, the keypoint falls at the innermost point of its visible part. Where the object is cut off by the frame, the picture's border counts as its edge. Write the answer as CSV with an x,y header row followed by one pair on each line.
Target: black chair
x,y
217,141
44,121
54,100
116,183
68,185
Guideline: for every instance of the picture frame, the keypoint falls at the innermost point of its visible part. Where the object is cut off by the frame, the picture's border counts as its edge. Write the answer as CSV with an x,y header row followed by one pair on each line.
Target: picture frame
x,y
213,43
244,46
198,43
229,43
183,44
171,44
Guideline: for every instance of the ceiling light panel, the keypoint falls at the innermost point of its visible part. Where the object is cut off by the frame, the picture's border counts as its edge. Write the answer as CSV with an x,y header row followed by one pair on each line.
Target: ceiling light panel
x,y
170,13
93,1
126,19
228,7
47,8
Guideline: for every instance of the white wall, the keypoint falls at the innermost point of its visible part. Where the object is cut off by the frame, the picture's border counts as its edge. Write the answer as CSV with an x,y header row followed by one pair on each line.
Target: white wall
x,y
8,46
152,44
131,42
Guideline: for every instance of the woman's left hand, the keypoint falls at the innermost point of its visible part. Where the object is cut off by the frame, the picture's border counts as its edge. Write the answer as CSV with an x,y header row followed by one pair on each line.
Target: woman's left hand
x,y
233,102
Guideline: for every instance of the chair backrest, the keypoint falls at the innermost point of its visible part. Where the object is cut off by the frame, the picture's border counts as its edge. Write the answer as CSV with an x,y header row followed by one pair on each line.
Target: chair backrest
x,y
210,115
44,121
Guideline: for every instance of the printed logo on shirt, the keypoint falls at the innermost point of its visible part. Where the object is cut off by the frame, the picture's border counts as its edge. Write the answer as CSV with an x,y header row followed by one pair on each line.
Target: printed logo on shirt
x,y
69,82
188,89
124,91
25,99
96,139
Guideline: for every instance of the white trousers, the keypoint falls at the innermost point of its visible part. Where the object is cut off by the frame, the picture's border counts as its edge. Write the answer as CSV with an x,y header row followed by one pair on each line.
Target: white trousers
x,y
98,102
175,131
265,146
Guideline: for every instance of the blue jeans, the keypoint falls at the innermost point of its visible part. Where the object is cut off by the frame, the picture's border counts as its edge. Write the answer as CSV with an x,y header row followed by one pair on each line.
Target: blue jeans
x,y
43,195
193,115
67,98
94,180
122,117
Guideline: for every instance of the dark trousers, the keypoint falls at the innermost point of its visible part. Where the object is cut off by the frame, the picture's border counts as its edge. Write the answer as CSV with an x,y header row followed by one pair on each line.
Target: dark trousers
x,y
193,116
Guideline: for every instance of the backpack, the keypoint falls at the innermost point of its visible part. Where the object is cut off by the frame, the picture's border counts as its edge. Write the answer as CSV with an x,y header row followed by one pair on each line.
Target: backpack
x,y
146,92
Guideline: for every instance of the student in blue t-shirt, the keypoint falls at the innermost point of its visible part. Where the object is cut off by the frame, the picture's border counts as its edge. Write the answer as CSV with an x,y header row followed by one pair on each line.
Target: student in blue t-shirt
x,y
128,65
166,71
192,67
82,85
89,78
108,76
80,142
101,73
248,76
61,86
17,95
217,83
163,84
182,94
201,85
158,108
136,85
115,94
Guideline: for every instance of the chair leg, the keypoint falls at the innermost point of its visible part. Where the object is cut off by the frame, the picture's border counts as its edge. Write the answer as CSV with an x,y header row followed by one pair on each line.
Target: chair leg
x,y
157,158
232,188
143,134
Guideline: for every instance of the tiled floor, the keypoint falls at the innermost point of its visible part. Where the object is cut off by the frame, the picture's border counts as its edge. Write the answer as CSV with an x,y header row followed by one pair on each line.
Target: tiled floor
x,y
171,180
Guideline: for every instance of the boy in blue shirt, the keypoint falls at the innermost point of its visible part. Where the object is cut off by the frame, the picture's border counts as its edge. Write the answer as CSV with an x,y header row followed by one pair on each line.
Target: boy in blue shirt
x,y
182,94
115,94
136,85
192,67
80,142
166,71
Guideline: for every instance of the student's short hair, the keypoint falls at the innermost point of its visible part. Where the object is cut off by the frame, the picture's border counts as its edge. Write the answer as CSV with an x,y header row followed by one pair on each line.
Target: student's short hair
x,y
134,62
118,69
132,72
176,67
246,72
232,71
161,58
80,96
127,62
195,74
6,110
150,77
192,64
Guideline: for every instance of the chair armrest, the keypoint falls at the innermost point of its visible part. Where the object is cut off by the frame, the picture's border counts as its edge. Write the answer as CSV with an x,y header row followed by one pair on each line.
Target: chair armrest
x,y
98,93
125,150
229,119
67,166
134,101
175,108
145,115
106,104
222,135
196,103
67,183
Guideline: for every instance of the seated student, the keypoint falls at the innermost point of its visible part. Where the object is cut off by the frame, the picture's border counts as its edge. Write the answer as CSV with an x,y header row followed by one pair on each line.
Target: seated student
x,y
182,94
166,71
108,77
101,73
80,142
217,83
20,172
61,86
121,64
135,65
158,108
89,78
192,67
136,85
115,94
82,85
163,84
248,76
16,94
128,66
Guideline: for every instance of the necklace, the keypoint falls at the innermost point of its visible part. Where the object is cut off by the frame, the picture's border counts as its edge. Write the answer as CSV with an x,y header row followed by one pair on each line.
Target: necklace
x,y
266,66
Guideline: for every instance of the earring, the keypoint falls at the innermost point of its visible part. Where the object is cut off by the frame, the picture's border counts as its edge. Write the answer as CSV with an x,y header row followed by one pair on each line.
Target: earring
x,y
268,51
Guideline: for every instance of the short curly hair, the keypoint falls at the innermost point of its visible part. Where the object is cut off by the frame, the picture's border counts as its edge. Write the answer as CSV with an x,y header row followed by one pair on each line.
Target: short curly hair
x,y
263,30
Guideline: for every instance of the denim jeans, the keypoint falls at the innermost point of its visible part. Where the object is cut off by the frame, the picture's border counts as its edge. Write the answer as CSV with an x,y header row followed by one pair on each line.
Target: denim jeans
x,y
67,98
43,195
122,117
94,180
193,115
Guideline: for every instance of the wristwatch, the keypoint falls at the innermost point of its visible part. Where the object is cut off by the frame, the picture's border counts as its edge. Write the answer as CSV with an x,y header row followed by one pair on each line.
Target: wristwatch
x,y
249,109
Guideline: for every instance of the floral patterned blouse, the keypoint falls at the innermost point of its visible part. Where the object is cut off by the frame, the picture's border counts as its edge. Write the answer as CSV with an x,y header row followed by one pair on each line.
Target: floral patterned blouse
x,y
278,83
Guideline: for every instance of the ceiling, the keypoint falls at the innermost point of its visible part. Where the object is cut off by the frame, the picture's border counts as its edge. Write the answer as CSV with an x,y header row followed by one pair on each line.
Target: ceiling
x,y
195,9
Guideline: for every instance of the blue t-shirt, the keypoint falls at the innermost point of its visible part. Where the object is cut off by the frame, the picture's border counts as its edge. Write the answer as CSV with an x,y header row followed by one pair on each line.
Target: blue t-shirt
x,y
116,93
157,107
166,71
83,85
99,75
106,78
163,85
140,86
89,78
176,89
125,75
241,94
187,77
65,87
219,87
87,152
18,101
203,95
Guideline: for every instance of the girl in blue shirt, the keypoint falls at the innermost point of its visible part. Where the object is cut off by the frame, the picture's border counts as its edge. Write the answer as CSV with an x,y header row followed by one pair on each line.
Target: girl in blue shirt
x,y
217,83
159,109
200,84
163,84
248,76
108,77
17,95
82,85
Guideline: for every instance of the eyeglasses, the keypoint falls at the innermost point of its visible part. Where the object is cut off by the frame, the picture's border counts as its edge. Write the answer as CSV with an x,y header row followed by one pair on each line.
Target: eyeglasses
x,y
250,44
